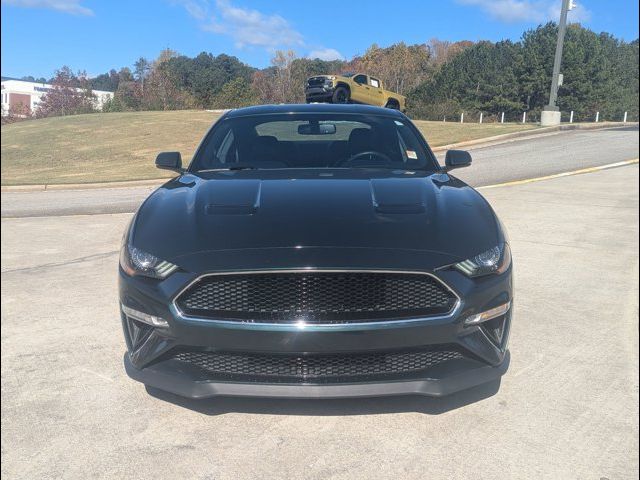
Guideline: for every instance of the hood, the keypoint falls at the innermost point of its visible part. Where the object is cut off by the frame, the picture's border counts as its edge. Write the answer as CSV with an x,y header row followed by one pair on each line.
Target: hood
x,y
394,213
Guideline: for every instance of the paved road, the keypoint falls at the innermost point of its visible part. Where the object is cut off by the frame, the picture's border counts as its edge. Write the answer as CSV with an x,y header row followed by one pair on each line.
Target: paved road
x,y
517,160
567,408
549,154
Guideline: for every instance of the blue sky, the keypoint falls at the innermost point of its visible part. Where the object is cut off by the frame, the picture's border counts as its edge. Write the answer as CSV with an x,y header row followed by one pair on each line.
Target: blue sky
x,y
39,36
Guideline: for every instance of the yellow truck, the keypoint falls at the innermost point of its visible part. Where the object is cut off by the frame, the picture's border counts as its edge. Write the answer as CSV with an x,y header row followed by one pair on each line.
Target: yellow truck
x,y
352,88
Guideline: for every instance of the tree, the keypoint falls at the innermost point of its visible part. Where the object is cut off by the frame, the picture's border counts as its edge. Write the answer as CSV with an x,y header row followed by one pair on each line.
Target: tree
x,y
15,113
263,83
125,75
600,74
401,67
235,94
141,70
70,95
441,51
204,76
30,78
283,85
106,81
163,90
480,78
439,78
127,97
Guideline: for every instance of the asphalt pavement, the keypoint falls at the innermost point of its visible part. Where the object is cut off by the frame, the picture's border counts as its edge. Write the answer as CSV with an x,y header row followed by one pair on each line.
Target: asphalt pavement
x,y
567,408
538,156
548,155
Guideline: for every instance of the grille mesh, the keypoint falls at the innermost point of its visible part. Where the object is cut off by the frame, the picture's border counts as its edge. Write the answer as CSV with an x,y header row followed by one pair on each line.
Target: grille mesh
x,y
316,368
316,81
316,297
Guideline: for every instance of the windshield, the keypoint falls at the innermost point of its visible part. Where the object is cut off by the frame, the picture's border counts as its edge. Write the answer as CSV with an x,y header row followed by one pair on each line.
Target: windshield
x,y
330,140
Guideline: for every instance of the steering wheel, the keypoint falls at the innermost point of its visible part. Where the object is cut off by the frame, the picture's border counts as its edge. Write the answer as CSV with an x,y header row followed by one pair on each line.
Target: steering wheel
x,y
370,153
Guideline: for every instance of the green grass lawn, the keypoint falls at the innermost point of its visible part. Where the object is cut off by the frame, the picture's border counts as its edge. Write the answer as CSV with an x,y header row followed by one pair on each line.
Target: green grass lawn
x,y
108,147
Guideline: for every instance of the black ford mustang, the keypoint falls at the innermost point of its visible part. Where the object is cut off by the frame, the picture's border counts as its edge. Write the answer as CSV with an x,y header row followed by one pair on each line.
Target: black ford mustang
x,y
315,251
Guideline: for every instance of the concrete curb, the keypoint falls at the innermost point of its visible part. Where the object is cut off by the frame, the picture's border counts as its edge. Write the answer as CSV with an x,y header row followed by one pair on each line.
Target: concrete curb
x,y
84,186
485,142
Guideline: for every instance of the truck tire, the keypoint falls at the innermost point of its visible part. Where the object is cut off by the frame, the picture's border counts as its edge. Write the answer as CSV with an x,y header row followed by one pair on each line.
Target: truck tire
x,y
341,95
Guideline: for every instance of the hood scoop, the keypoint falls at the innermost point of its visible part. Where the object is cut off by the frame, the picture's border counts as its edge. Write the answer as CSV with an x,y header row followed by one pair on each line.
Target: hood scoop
x,y
237,197
399,196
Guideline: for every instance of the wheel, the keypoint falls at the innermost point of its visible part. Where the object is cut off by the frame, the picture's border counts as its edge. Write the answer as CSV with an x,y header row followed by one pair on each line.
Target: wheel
x,y
341,95
393,105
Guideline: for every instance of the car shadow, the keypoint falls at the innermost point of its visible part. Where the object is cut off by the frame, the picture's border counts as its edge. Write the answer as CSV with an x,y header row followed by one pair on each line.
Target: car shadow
x,y
331,407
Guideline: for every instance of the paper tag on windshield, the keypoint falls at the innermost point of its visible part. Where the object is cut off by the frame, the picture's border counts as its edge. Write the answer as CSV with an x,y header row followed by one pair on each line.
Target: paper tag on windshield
x,y
412,155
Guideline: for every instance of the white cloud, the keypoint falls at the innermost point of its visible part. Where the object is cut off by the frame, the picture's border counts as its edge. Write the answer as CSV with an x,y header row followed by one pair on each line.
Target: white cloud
x,y
67,6
326,54
246,26
197,9
531,11
250,28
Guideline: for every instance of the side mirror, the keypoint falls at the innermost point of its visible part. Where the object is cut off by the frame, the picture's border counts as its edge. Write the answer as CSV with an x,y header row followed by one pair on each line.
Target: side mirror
x,y
457,159
169,161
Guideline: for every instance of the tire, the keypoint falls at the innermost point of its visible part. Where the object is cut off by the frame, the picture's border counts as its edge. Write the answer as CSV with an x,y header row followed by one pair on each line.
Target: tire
x,y
341,95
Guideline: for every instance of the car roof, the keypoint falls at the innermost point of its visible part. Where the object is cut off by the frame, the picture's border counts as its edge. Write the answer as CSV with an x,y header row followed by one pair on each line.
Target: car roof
x,y
313,108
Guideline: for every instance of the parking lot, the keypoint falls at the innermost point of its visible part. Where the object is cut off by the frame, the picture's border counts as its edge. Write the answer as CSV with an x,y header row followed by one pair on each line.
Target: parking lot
x,y
567,408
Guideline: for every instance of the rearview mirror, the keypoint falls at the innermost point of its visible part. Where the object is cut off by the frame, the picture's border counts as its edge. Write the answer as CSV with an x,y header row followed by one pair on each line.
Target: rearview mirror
x,y
316,129
169,161
457,159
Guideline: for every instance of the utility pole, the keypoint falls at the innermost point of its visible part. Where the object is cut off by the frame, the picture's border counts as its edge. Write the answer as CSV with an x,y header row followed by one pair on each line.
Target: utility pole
x,y
551,113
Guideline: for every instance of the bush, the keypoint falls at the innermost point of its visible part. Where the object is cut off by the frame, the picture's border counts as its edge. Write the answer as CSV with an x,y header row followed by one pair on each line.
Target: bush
x,y
235,94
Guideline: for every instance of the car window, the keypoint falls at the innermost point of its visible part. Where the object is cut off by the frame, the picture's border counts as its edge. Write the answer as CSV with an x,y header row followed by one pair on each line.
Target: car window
x,y
361,79
375,83
318,140
222,153
288,130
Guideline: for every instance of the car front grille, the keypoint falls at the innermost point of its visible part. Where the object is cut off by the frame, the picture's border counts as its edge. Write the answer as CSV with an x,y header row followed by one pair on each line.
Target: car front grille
x,y
316,81
325,368
316,297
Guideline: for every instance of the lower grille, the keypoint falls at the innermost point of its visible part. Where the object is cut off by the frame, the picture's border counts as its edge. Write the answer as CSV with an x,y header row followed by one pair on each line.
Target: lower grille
x,y
316,297
325,368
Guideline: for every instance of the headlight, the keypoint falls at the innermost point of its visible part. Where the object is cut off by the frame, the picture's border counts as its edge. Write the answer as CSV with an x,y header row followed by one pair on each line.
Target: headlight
x,y
138,262
495,260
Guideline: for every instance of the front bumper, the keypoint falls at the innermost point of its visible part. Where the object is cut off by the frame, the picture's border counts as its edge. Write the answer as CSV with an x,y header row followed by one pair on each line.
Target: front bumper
x,y
172,378
150,357
318,93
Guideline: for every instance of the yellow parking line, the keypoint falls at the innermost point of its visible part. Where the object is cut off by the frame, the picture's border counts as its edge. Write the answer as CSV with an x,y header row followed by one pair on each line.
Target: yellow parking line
x,y
563,174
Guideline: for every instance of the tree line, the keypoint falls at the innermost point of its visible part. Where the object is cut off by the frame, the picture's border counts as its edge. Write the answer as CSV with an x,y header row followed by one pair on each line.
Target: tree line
x,y
600,73
440,79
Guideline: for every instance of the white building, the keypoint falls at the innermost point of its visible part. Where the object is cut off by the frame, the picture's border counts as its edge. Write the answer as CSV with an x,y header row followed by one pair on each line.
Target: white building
x,y
29,94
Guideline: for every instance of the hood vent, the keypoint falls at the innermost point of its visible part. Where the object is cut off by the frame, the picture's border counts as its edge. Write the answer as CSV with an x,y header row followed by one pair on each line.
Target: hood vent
x,y
388,198
237,197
